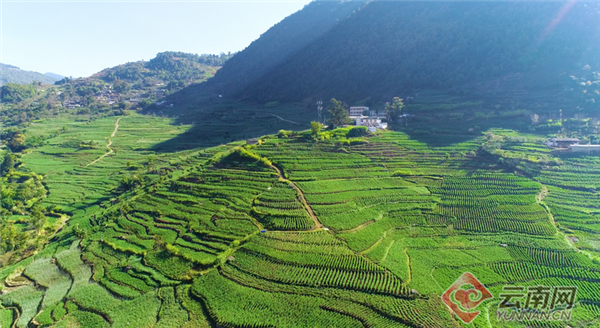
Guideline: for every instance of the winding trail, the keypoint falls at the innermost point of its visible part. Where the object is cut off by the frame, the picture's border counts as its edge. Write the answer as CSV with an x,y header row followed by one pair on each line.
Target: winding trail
x,y
318,225
387,251
116,127
540,200
358,227
408,281
542,194
436,282
110,150
372,247
283,119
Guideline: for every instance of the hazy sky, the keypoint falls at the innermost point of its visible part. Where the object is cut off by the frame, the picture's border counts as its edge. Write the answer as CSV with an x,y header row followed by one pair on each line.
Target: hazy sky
x,y
79,38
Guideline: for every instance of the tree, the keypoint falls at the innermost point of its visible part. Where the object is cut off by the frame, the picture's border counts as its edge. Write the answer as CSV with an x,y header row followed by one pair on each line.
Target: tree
x,y
121,86
131,181
124,105
7,164
393,110
38,219
339,115
13,93
79,232
145,102
11,237
13,138
315,128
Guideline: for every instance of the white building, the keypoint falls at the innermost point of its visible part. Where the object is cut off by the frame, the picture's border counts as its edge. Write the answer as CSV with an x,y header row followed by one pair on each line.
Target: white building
x,y
562,142
377,113
373,123
357,111
584,148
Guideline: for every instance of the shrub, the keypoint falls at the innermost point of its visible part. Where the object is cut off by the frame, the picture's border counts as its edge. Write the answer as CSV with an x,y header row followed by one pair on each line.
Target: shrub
x,y
240,154
172,249
284,133
358,131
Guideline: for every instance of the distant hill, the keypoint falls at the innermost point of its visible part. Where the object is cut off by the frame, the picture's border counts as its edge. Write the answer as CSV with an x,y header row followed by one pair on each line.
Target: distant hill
x,y
13,74
55,76
369,52
167,66
131,85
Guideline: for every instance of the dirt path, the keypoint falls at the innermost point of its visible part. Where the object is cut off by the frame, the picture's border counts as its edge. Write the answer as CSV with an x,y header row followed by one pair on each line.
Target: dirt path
x,y
312,215
358,227
436,282
116,127
372,247
110,150
542,194
540,200
387,251
409,268
283,119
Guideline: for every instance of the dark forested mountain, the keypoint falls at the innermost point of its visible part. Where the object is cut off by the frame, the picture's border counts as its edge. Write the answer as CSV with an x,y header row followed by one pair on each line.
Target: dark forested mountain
x,y
372,51
13,74
279,43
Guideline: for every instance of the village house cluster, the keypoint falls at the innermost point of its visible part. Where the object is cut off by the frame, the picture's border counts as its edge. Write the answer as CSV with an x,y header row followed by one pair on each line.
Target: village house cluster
x,y
371,120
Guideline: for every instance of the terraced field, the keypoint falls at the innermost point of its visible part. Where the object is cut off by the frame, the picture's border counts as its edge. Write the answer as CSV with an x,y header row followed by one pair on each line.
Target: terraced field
x,y
227,238
77,177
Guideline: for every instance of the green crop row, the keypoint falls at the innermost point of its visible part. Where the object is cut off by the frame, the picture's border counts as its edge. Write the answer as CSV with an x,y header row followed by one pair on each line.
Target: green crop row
x,y
369,281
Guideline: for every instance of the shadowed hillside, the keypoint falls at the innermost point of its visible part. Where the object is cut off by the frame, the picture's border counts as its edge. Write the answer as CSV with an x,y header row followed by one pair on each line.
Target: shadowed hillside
x,y
377,50
279,43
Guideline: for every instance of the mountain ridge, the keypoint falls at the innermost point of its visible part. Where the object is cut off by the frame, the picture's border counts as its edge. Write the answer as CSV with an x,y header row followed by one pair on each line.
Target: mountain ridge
x,y
135,84
55,76
380,49
14,74
302,27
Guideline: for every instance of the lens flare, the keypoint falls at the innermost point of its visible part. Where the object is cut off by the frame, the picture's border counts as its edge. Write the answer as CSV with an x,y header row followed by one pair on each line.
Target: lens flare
x,y
557,19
